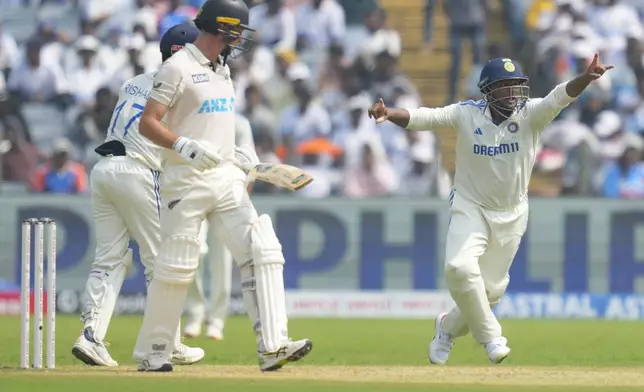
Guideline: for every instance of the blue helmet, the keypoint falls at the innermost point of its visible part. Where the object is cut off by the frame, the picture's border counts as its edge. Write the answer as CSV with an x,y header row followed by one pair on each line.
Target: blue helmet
x,y
177,37
507,97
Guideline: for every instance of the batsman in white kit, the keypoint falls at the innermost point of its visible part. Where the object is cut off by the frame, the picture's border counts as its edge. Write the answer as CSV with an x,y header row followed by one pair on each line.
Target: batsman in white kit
x,y
220,261
126,204
495,154
201,180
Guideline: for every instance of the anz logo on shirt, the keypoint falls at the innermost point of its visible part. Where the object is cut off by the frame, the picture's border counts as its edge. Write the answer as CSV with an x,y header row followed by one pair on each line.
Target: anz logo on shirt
x,y
503,148
217,105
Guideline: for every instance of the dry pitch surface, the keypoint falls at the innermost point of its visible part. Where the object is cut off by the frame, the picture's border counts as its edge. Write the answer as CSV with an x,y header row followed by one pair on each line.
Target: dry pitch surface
x,y
498,375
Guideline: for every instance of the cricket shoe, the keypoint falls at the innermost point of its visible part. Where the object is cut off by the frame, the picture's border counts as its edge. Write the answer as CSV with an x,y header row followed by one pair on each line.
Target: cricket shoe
x,y
441,345
91,352
497,349
192,329
155,363
213,332
186,355
291,351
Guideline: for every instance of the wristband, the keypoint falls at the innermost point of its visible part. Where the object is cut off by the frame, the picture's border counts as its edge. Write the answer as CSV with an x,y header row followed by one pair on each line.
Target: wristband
x,y
179,143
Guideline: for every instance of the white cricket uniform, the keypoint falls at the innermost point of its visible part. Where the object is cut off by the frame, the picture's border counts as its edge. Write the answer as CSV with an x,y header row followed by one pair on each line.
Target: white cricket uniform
x,y
200,101
126,204
221,263
488,204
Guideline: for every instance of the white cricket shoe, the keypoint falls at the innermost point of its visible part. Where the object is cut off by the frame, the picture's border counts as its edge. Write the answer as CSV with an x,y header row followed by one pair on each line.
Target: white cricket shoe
x,y
497,349
441,345
154,363
192,329
91,352
185,355
213,332
291,351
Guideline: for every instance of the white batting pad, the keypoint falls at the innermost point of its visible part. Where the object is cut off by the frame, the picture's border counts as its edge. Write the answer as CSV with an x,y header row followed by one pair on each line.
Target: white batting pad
x,y
269,282
102,289
178,259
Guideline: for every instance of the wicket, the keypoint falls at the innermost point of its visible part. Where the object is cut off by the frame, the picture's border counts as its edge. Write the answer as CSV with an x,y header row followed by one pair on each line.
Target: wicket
x,y
25,292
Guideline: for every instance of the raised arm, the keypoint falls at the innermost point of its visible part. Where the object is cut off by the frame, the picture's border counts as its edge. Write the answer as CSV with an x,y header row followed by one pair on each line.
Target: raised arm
x,y
420,119
544,110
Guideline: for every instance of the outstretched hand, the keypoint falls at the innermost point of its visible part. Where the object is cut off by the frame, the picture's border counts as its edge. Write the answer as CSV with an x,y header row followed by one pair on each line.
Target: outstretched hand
x,y
596,69
379,112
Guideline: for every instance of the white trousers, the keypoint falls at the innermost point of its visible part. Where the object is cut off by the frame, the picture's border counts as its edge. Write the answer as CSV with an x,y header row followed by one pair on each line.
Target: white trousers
x,y
481,245
220,261
126,205
220,196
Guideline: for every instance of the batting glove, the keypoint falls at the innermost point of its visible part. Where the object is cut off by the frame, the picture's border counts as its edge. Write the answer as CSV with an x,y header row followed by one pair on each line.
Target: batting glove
x,y
196,153
246,156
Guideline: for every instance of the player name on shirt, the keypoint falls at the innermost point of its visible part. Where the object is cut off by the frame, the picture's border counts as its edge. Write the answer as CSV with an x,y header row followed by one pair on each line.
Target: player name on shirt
x,y
136,91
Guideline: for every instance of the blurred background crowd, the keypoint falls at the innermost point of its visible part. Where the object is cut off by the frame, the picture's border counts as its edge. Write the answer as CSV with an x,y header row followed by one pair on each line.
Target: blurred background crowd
x,y
315,68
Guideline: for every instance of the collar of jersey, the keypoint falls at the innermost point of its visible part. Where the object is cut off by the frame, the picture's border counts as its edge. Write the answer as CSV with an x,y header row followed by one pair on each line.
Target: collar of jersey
x,y
196,53
487,112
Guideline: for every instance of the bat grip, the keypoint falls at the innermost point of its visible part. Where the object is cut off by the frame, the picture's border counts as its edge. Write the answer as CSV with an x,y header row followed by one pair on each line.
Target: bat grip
x,y
245,167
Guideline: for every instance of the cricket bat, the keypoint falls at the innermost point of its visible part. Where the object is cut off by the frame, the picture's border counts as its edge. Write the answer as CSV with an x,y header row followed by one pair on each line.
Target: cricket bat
x,y
279,174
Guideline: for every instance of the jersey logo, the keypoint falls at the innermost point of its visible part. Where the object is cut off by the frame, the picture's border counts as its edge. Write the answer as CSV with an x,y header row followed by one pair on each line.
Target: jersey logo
x,y
173,203
217,105
490,151
156,85
513,127
478,131
200,78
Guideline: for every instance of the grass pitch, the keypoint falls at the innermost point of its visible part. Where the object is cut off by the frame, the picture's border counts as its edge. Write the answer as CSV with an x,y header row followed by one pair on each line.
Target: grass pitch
x,y
352,356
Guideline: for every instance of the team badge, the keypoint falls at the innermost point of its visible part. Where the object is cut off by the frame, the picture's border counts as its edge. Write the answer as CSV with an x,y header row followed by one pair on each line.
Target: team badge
x,y
509,66
513,127
200,78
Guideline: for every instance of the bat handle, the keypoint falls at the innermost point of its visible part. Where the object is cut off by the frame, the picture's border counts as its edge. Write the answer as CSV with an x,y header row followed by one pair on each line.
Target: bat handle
x,y
245,167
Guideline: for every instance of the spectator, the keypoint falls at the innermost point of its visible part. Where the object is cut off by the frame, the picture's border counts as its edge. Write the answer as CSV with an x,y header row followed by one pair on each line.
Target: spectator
x,y
60,174
417,178
93,123
85,79
146,17
320,22
36,82
467,20
331,73
54,45
387,81
625,177
278,90
259,115
364,44
135,64
275,25
20,162
305,120
359,130
112,55
372,177
177,14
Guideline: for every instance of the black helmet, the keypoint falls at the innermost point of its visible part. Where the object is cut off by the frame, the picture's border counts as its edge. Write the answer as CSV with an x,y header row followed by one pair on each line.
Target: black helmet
x,y
228,19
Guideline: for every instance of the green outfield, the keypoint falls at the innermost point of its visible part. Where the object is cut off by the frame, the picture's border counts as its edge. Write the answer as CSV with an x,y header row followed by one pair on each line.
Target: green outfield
x,y
352,356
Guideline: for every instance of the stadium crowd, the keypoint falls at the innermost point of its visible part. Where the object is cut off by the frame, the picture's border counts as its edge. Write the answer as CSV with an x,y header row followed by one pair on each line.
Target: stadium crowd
x,y
315,68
